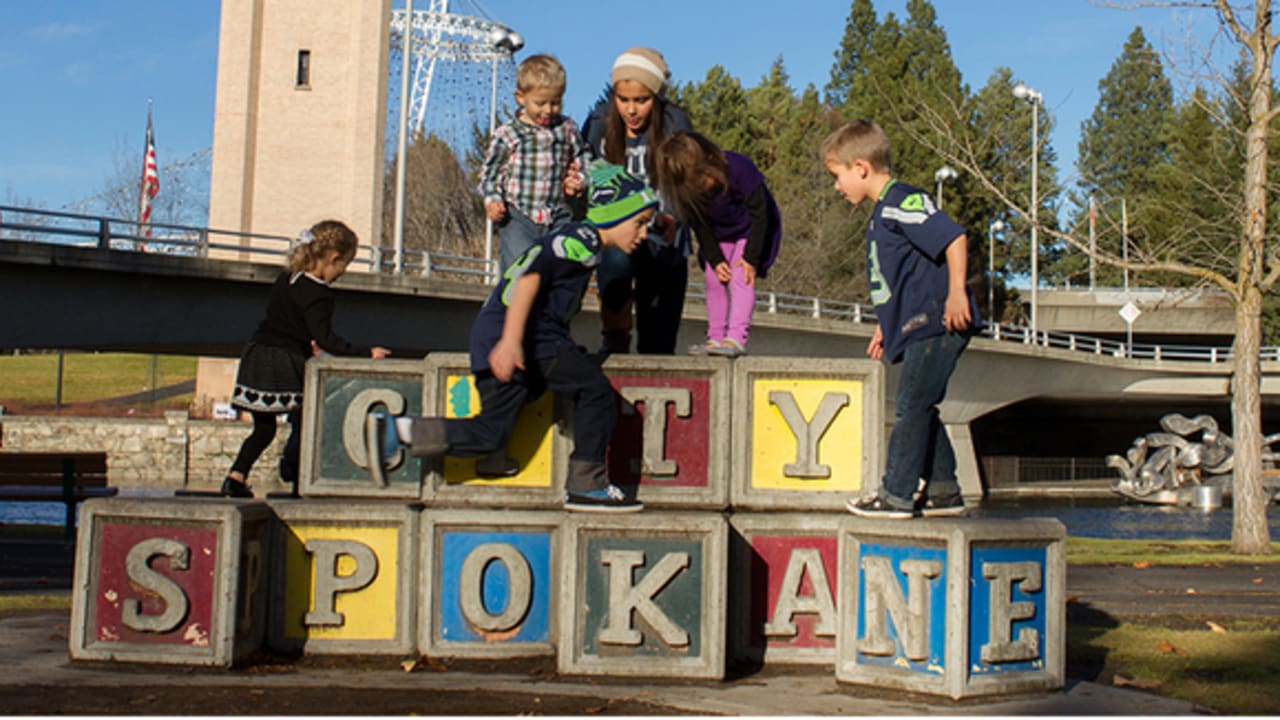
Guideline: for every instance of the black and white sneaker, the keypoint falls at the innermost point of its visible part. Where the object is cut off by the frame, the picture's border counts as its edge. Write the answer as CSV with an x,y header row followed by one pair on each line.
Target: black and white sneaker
x,y
950,507
608,499
873,506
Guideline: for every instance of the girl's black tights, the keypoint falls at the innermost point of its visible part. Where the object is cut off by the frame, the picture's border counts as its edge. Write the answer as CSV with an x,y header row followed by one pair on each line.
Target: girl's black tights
x,y
264,431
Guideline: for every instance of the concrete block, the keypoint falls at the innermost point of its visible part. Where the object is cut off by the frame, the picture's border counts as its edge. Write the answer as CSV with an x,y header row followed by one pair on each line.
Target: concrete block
x,y
783,581
339,393
170,581
537,447
960,607
671,445
808,434
489,583
344,577
644,595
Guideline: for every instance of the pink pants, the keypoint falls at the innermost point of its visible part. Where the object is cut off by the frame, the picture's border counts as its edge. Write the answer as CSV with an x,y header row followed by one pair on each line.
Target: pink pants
x,y
729,307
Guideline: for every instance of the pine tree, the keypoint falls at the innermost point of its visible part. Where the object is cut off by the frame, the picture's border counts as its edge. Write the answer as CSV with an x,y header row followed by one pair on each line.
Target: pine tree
x,y
717,107
853,53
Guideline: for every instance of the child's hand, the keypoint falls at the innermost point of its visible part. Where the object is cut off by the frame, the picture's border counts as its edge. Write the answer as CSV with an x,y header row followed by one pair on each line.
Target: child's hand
x,y
955,315
665,224
748,273
574,181
505,358
723,273
495,209
875,348
378,352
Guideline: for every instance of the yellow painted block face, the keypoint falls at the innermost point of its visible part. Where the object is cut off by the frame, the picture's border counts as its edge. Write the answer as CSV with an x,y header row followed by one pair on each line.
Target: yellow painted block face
x,y
829,413
530,444
367,607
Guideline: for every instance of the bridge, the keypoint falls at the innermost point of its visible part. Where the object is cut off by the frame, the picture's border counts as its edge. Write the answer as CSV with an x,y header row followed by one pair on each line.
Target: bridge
x,y
78,282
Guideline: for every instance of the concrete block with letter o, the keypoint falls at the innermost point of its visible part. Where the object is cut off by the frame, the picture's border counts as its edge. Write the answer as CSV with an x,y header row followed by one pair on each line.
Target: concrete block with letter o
x,y
957,607
170,581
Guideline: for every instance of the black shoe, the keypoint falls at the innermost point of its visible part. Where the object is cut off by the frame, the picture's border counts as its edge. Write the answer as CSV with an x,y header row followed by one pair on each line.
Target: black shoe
x,y
234,488
608,499
945,507
875,506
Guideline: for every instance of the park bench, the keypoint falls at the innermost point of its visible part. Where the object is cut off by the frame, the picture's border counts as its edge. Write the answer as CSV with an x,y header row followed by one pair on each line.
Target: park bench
x,y
66,477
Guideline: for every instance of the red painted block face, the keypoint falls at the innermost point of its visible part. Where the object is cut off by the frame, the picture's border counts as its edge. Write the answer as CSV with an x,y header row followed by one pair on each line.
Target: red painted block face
x,y
156,584
793,591
663,434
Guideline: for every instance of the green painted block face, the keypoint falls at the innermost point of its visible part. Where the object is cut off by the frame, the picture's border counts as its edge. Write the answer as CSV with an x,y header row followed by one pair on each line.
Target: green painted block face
x,y
643,598
345,400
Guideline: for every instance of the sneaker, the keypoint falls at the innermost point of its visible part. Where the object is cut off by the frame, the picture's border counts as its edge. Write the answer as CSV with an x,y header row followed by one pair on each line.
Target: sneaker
x,y
948,507
381,443
728,348
705,348
234,488
608,499
874,506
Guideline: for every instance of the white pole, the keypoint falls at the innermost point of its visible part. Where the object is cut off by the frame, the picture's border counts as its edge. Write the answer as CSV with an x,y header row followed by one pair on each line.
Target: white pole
x,y
1124,241
1035,204
1093,243
406,49
488,223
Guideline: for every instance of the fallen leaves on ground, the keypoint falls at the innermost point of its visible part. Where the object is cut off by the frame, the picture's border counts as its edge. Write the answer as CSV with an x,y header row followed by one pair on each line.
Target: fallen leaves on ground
x,y
1142,564
1140,683
1191,591
1165,647
1257,581
1215,626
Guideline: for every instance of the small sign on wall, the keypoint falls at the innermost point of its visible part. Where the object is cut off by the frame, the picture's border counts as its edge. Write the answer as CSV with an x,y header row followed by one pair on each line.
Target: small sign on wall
x,y
224,411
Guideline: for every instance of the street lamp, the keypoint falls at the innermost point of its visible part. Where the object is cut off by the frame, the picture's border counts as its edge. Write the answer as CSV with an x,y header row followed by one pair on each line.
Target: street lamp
x,y
996,226
1024,92
509,40
944,174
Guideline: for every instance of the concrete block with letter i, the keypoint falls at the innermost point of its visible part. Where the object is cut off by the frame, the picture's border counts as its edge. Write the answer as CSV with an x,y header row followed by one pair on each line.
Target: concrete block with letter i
x,y
644,595
170,581
489,583
958,607
784,576
671,445
344,577
808,434
339,393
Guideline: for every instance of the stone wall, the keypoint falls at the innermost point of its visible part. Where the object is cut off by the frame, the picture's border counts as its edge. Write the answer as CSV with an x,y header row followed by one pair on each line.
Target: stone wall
x,y
169,453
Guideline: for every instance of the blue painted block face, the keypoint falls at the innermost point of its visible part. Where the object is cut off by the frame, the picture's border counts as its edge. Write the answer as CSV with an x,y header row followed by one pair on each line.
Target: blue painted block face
x,y
495,587
1007,616
902,611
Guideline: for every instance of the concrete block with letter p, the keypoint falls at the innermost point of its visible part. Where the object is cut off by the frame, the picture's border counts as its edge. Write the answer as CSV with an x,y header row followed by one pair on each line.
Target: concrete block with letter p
x,y
959,607
170,581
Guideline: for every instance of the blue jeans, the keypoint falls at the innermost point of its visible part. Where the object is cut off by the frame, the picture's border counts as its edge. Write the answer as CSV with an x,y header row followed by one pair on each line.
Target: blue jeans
x,y
517,233
918,446
659,279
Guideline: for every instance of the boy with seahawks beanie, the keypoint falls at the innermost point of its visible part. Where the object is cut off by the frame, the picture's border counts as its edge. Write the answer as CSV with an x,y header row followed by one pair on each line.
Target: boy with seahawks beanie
x,y
521,347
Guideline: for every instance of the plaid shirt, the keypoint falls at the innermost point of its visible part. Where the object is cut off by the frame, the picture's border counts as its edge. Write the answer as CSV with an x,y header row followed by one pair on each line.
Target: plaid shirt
x,y
526,165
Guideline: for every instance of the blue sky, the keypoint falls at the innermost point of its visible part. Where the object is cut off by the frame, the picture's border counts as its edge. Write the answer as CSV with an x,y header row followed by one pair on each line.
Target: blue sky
x,y
76,74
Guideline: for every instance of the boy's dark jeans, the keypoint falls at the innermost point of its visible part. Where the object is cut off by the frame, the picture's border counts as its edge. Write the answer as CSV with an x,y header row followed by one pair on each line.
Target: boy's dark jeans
x,y
571,375
919,446
660,280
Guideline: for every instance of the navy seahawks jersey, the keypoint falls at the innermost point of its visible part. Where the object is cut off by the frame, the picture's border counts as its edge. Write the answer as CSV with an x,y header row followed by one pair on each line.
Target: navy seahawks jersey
x,y
564,260
907,241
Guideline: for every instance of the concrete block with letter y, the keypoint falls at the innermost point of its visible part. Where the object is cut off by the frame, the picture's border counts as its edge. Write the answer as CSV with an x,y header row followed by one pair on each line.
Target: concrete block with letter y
x,y
644,595
344,576
170,581
807,434
489,583
957,607
339,393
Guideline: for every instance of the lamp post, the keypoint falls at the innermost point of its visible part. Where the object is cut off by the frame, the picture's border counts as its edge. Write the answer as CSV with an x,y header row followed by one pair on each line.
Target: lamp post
x,y
1024,92
945,173
502,39
996,226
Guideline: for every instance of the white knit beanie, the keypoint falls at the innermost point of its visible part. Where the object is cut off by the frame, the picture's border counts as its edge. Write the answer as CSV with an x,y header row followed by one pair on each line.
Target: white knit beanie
x,y
644,65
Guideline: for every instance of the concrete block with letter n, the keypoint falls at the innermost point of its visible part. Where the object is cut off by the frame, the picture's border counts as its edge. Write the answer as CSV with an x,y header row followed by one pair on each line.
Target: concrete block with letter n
x,y
169,581
784,575
339,393
644,595
489,583
344,577
529,473
958,607
671,445
808,434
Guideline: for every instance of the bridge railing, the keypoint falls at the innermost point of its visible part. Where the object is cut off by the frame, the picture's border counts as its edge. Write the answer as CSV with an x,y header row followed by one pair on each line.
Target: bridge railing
x,y
61,228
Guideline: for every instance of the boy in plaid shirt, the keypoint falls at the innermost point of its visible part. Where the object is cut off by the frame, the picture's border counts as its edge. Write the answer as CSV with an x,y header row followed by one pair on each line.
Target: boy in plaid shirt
x,y
524,171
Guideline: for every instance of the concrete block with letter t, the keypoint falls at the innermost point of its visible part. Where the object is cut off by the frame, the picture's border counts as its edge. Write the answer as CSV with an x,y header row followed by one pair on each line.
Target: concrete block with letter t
x,y
671,445
339,393
170,581
808,434
489,583
958,607
344,577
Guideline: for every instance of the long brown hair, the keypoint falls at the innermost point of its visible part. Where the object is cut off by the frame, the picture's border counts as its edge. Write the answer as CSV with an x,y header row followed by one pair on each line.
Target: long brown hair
x,y
685,161
615,132
319,240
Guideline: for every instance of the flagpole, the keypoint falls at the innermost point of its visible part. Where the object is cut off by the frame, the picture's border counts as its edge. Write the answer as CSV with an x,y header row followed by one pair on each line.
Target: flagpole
x,y
142,180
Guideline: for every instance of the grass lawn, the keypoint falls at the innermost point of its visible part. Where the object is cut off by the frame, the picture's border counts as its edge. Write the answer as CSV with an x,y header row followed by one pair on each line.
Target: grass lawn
x,y
1092,551
32,380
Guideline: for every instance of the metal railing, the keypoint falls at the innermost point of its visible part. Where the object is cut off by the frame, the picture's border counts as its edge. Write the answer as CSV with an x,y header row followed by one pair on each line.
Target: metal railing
x,y
61,228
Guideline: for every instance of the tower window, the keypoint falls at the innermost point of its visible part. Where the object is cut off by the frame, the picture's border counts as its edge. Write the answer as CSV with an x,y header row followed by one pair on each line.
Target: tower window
x,y
304,69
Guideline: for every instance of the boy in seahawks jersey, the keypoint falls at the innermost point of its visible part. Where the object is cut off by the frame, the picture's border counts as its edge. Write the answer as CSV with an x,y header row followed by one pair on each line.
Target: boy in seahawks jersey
x,y
917,260
521,347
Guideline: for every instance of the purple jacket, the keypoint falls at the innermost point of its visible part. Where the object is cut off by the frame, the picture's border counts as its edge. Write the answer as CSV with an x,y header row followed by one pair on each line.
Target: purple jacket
x,y
744,209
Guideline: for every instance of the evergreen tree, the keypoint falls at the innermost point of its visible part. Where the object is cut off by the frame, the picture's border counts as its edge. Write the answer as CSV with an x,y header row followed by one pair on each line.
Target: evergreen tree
x,y
717,107
853,53
770,111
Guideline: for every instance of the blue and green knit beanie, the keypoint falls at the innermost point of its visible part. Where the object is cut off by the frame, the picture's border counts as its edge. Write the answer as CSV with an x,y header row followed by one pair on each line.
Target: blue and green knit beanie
x,y
615,195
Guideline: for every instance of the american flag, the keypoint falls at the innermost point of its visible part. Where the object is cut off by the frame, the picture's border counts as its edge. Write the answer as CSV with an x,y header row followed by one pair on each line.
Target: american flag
x,y
150,181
